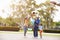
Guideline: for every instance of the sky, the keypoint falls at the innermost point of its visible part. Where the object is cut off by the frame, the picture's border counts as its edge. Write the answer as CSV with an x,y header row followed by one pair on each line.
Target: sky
x,y
4,4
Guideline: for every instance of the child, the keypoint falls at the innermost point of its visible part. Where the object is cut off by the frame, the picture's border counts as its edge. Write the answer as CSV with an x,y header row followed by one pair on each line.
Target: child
x,y
41,29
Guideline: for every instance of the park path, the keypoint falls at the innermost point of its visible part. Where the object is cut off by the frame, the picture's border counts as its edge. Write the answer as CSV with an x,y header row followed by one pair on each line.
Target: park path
x,y
19,36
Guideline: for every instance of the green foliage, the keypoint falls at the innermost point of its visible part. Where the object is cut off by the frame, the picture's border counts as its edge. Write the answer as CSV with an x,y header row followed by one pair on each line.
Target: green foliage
x,y
9,21
57,23
51,31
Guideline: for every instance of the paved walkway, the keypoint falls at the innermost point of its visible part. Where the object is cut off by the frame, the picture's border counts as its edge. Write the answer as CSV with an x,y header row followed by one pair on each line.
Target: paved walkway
x,y
19,36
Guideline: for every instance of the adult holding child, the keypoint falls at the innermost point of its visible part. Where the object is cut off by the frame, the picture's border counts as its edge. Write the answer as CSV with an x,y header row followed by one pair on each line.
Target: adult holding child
x,y
36,25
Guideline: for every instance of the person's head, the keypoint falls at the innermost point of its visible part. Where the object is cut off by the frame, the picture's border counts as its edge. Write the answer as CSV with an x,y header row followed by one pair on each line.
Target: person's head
x,y
33,12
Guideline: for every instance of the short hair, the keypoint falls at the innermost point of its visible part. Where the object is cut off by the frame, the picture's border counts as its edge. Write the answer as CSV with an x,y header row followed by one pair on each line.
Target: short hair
x,y
33,12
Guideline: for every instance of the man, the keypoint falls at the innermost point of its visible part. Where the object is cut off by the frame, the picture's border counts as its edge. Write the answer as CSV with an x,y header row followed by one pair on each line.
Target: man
x,y
36,24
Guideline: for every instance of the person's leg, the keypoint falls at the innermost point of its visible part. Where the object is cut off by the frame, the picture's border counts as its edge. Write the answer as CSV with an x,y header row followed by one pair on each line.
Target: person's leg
x,y
36,33
33,30
25,30
40,33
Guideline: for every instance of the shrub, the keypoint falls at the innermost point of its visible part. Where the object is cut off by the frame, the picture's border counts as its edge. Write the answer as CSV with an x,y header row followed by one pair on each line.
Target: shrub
x,y
51,31
9,28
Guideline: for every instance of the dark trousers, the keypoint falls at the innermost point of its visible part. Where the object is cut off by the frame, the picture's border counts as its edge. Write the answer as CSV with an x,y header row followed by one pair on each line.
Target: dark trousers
x,y
35,32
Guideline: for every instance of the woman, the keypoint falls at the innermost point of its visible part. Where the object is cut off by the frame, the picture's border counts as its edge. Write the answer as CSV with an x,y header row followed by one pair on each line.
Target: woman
x,y
25,25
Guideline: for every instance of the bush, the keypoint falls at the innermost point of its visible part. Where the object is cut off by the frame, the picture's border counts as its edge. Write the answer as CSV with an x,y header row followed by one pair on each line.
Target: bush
x,y
9,28
51,31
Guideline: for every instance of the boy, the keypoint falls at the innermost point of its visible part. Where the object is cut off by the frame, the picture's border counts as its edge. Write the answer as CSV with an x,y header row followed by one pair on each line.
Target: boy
x,y
41,30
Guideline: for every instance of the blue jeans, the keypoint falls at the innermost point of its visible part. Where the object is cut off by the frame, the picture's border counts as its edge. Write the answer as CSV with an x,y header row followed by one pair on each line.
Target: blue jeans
x,y
25,30
35,32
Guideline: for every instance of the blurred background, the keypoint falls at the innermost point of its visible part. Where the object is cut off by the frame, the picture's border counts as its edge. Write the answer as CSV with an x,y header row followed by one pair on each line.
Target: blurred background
x,y
13,12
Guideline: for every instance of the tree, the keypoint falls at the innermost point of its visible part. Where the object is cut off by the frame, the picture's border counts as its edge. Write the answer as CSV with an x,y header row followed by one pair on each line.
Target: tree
x,y
47,11
21,9
57,23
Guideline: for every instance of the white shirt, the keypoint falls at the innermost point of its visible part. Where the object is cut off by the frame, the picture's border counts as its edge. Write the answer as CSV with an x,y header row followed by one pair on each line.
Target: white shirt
x,y
40,27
